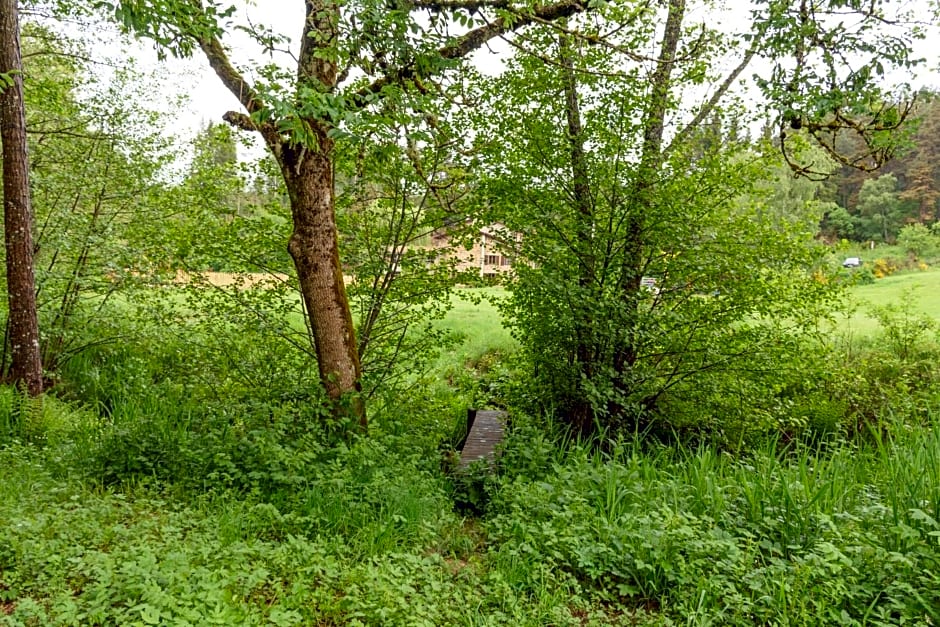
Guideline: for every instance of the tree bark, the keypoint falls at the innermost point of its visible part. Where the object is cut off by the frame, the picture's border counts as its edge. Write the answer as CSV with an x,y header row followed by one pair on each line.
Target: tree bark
x,y
26,366
314,247
580,414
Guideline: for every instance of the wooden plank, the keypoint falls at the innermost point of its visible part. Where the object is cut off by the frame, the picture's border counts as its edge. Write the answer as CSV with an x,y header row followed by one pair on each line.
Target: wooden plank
x,y
487,428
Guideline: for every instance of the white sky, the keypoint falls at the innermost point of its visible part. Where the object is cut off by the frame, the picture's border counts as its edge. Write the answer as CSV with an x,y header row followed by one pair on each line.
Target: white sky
x,y
209,100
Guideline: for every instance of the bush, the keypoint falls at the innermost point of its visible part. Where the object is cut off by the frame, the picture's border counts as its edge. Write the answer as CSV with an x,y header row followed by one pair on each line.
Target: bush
x,y
919,242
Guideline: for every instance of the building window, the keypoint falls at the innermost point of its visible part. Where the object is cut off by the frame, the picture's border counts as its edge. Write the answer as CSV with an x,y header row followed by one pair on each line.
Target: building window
x,y
491,260
506,261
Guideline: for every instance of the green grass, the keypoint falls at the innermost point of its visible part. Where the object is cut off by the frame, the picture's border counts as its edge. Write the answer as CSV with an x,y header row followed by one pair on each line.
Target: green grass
x,y
481,325
475,318
918,290
364,533
219,501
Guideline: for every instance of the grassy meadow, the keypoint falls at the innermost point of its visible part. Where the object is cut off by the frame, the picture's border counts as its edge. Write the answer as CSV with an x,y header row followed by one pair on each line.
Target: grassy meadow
x,y
179,482
475,320
918,290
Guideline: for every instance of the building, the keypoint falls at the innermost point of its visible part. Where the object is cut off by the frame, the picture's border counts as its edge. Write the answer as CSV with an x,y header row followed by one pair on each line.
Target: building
x,y
491,251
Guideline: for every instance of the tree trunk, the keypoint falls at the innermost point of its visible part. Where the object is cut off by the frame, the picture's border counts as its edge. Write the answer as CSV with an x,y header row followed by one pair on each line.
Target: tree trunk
x,y
581,413
26,367
314,246
646,179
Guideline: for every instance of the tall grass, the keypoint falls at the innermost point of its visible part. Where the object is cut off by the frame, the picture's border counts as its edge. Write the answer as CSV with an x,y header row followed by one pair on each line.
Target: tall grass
x,y
785,535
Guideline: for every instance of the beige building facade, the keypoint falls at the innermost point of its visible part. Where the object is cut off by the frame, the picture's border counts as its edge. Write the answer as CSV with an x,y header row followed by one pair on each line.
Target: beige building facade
x,y
491,253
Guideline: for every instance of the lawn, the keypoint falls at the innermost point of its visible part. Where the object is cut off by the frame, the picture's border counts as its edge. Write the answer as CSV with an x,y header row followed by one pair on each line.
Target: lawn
x,y
918,290
475,317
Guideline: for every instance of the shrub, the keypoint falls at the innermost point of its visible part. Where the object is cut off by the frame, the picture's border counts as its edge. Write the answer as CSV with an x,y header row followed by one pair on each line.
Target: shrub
x,y
919,241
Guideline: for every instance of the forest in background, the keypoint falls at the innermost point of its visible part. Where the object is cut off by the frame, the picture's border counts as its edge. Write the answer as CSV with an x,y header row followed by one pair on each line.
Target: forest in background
x,y
877,206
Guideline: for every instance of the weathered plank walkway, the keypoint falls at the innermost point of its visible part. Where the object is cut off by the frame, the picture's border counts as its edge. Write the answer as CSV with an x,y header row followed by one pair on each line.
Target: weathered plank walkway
x,y
484,431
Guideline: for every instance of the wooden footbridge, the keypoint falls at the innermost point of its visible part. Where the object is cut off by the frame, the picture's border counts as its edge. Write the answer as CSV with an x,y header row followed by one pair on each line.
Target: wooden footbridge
x,y
485,429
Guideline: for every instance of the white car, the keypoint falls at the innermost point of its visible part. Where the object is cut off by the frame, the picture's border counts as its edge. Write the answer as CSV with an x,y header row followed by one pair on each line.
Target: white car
x,y
851,262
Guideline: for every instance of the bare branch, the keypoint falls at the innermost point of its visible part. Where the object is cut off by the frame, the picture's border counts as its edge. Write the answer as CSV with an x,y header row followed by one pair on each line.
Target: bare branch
x,y
709,106
473,40
827,132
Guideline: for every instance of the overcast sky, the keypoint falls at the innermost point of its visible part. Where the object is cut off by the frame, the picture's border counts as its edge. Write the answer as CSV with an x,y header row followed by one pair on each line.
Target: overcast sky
x,y
209,100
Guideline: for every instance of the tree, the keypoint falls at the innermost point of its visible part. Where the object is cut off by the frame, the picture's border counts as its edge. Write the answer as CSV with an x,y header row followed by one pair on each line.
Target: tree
x,y
791,198
657,276
922,166
838,222
216,145
814,87
881,211
609,350
392,208
23,322
355,58
100,219
392,55
918,241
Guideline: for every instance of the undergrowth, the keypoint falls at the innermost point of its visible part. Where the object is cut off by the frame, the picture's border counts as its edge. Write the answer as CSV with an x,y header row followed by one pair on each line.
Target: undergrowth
x,y
160,488
784,535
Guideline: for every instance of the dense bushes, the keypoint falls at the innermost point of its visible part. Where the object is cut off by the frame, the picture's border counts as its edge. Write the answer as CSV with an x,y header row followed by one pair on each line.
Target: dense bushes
x,y
866,387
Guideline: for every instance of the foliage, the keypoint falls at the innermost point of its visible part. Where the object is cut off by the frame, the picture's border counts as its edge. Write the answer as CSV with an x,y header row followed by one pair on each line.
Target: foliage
x,y
848,109
917,181
919,242
864,387
191,470
186,455
362,67
838,222
358,64
881,211
398,256
795,200
95,161
793,536
731,265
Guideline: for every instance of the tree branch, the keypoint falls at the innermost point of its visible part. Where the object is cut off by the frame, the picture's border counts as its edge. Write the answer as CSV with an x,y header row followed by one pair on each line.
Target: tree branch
x,y
469,5
473,40
241,121
229,76
709,106
243,91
